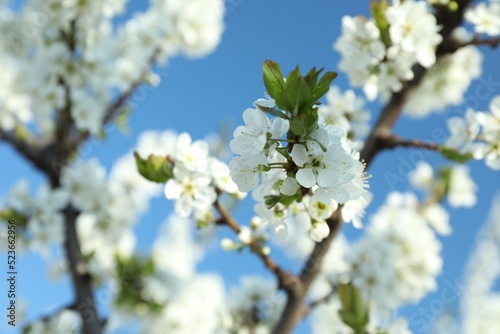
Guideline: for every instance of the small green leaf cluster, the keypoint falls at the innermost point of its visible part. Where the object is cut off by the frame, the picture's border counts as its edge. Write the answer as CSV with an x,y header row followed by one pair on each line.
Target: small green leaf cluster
x,y
296,95
130,273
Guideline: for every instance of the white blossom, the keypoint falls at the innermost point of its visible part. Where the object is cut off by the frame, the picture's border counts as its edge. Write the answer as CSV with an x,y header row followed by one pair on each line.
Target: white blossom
x,y
485,17
461,189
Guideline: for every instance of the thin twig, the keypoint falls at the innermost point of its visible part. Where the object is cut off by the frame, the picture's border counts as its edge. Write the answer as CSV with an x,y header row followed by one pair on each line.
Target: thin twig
x,y
493,42
394,141
286,280
323,300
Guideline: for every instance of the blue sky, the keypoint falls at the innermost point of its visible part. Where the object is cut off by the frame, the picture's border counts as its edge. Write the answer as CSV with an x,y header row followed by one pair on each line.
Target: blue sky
x,y
195,96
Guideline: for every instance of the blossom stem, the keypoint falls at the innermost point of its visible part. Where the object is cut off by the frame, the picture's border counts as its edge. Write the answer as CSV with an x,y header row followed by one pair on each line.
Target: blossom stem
x,y
286,280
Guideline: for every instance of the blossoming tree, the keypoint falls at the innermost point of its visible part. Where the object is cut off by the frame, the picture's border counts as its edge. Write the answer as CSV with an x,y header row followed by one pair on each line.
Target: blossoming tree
x,y
302,154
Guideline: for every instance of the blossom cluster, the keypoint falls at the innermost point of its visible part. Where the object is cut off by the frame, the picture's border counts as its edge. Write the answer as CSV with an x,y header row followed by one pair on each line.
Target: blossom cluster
x,y
378,53
485,17
478,133
321,164
44,223
446,82
398,259
78,58
197,177
176,294
455,183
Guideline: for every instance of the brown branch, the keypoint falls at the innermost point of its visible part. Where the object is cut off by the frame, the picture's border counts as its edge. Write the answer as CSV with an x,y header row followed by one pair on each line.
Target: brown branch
x,y
286,280
393,141
293,310
323,300
36,152
82,280
493,42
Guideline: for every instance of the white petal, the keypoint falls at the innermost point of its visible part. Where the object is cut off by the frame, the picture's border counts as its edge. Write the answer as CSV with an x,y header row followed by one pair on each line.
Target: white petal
x,y
172,189
326,177
305,177
289,186
322,196
299,155
339,194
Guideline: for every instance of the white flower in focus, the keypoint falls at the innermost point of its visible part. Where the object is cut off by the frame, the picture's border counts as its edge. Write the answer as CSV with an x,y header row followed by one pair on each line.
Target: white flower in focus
x,y
249,140
289,187
246,172
318,210
319,166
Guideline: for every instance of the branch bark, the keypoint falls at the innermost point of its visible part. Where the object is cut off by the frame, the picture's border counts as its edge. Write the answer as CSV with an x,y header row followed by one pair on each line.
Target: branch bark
x,y
286,280
394,141
293,311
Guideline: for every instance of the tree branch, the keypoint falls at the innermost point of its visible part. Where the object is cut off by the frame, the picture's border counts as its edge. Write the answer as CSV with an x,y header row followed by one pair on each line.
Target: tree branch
x,y
82,280
114,107
493,42
286,280
323,300
293,310
394,141
37,152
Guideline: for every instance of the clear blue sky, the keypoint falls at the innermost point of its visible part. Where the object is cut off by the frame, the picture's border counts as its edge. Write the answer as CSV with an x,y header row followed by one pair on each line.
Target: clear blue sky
x,y
196,95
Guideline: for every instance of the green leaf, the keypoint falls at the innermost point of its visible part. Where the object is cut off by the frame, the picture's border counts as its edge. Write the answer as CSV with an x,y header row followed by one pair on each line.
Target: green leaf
x,y
304,124
297,97
154,168
273,80
312,77
274,112
454,155
378,10
348,318
323,85
354,313
292,76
